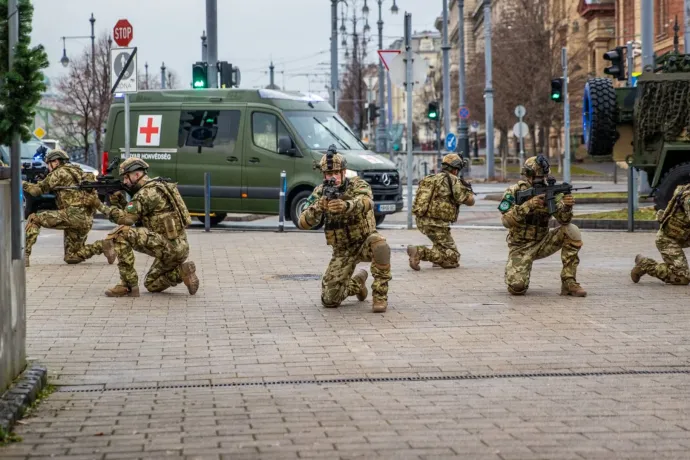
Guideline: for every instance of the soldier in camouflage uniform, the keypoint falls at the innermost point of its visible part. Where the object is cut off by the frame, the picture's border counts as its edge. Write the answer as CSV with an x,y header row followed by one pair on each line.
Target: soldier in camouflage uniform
x,y
436,206
75,209
529,237
351,230
672,237
159,206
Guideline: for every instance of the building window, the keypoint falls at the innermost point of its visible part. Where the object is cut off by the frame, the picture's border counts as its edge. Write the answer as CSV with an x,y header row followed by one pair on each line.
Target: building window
x,y
266,130
661,17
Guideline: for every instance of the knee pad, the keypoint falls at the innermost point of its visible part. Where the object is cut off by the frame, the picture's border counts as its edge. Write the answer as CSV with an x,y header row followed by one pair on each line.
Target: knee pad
x,y
572,232
381,252
517,288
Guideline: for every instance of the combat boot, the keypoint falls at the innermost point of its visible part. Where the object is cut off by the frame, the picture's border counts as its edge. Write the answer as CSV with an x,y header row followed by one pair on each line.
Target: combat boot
x,y
571,287
121,290
380,305
413,252
189,278
109,251
637,272
361,278
72,260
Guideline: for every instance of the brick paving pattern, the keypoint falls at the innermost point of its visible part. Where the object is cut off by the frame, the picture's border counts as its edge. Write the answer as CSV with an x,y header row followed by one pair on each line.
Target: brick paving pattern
x,y
247,325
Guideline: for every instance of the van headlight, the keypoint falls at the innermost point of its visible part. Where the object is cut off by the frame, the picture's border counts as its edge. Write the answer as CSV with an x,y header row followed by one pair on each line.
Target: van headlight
x,y
350,173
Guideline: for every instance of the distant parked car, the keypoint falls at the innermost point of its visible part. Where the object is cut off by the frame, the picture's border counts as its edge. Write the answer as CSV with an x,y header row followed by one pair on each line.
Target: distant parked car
x,y
29,154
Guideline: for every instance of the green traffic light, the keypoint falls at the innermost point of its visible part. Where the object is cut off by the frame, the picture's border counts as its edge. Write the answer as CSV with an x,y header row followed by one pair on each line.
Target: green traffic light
x,y
556,96
199,84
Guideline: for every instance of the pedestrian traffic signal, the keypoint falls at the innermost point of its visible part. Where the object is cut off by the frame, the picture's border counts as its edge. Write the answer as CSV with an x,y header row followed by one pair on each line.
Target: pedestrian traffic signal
x,y
557,90
200,75
373,111
617,67
432,111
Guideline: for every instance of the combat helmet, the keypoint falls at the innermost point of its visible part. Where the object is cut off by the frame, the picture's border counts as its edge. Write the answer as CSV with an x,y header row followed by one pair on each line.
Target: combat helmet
x,y
57,154
536,166
455,161
332,161
133,164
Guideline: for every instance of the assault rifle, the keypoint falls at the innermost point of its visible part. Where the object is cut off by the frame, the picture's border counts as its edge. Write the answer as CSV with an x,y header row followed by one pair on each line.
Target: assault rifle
x,y
550,190
34,171
330,190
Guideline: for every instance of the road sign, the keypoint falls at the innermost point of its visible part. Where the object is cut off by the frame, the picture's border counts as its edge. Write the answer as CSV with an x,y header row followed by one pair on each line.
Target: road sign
x,y
40,132
387,56
118,60
520,111
397,69
123,32
464,112
451,142
520,129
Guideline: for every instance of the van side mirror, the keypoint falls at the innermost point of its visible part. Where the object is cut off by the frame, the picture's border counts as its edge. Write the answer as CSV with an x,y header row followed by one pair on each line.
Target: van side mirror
x,y
286,146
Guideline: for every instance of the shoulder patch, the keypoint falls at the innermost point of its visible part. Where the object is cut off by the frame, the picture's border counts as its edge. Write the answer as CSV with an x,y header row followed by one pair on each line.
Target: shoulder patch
x,y
130,207
506,203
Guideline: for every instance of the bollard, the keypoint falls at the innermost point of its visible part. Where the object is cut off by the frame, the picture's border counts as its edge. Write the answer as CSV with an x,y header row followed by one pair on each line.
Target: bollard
x,y
281,201
631,198
615,172
207,201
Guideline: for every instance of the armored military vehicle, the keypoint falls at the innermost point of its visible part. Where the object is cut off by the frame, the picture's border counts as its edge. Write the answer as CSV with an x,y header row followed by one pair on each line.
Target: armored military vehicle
x,y
646,124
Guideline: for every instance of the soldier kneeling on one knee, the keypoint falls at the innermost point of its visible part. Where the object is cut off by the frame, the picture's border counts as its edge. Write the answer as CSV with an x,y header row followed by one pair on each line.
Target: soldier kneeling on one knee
x,y
346,206
672,237
529,237
157,204
436,206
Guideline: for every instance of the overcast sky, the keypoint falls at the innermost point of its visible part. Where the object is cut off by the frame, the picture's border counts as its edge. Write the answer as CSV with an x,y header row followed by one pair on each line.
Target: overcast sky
x,y
294,33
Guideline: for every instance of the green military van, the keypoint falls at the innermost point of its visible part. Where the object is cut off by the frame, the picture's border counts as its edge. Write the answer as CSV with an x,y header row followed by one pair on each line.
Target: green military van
x,y
244,138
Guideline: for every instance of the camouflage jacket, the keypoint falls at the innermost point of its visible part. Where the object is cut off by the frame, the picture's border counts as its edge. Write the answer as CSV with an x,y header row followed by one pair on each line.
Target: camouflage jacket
x,y
65,175
440,204
349,228
675,220
528,224
151,206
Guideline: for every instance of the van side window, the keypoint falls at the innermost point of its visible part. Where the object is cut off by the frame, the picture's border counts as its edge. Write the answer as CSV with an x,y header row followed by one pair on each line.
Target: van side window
x,y
266,129
209,129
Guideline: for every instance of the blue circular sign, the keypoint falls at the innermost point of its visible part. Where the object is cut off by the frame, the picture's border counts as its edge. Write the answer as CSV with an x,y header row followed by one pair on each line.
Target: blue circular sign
x,y
464,113
451,142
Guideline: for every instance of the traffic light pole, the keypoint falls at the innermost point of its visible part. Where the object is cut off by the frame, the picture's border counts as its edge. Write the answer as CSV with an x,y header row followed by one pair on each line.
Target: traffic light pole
x,y
212,49
381,138
409,85
446,71
463,138
566,115
488,92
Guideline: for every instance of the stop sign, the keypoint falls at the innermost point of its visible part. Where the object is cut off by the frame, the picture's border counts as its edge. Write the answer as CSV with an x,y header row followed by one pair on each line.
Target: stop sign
x,y
123,32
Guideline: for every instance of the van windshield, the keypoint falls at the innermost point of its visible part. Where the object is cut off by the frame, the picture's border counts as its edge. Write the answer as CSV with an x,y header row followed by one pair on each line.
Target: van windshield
x,y
321,129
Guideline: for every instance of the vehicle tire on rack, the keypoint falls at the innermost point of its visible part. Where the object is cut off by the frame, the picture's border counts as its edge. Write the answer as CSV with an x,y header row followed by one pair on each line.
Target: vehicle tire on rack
x,y
599,117
678,175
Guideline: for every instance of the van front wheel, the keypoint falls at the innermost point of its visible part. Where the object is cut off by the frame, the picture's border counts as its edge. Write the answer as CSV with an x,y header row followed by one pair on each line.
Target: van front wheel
x,y
215,220
298,205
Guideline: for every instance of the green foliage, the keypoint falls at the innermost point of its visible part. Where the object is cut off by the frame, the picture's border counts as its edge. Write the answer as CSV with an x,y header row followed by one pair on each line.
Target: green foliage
x,y
22,87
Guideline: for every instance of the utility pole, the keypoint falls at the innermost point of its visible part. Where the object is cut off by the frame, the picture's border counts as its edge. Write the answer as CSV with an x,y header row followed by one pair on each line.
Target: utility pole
x,y
212,28
648,63
334,54
566,115
15,153
92,20
381,137
146,74
463,137
446,71
488,92
271,75
358,75
204,47
163,75
409,85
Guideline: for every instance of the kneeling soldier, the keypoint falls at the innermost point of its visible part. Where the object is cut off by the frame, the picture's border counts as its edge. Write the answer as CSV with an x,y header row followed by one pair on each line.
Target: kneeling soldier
x,y
529,237
346,205
159,206
436,206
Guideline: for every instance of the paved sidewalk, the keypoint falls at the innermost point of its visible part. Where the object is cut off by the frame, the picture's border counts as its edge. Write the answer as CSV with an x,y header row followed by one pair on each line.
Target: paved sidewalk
x,y
254,367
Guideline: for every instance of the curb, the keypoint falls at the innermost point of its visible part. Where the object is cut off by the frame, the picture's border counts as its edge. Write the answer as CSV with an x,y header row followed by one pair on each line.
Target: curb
x,y
611,224
21,395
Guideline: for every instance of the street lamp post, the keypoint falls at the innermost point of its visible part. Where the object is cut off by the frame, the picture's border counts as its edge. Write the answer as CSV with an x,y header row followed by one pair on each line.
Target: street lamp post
x,y
334,52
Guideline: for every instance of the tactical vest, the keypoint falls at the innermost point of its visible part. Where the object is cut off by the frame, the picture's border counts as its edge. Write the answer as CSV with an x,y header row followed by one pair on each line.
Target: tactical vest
x,y
534,228
175,218
348,230
73,175
675,222
435,198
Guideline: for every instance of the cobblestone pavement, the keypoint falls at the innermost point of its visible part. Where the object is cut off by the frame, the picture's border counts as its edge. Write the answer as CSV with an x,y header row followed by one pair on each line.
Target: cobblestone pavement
x,y
254,367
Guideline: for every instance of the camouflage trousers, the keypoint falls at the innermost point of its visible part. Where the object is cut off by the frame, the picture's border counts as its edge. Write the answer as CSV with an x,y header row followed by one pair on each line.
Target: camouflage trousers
x,y
444,252
674,269
76,223
168,254
337,283
521,257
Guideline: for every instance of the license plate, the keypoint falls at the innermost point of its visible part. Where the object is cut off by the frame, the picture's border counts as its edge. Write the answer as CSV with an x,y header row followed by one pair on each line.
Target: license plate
x,y
386,208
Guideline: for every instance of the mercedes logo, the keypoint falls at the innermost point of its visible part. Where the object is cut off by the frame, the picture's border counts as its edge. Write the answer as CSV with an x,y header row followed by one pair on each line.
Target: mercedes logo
x,y
386,179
